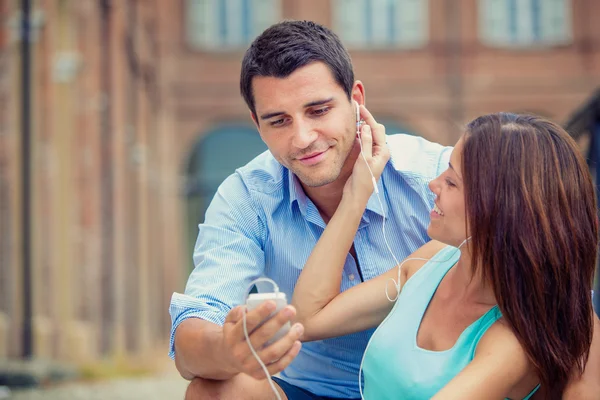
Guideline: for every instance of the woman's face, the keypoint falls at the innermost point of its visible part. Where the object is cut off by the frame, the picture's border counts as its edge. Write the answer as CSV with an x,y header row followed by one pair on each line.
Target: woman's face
x,y
448,217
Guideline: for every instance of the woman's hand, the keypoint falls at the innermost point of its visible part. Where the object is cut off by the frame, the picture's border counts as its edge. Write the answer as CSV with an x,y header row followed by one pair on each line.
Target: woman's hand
x,y
374,155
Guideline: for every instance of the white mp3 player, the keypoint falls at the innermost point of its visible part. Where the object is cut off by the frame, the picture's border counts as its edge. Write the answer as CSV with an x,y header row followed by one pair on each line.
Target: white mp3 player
x,y
256,299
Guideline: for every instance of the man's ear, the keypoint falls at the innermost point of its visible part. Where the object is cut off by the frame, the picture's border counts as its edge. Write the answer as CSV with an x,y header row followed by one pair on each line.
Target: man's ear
x,y
358,92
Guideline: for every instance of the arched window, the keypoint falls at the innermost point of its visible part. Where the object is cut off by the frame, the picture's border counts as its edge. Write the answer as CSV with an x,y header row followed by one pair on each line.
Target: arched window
x,y
387,24
525,23
227,24
215,156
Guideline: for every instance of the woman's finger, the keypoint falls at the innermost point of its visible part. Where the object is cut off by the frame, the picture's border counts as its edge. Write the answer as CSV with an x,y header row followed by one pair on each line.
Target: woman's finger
x,y
366,139
378,130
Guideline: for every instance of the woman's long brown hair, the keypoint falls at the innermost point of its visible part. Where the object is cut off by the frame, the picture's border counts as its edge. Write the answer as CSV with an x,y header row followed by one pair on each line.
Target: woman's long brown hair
x,y
531,209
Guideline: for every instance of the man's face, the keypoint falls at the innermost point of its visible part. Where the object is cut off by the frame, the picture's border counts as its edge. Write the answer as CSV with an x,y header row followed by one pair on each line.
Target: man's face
x,y
307,122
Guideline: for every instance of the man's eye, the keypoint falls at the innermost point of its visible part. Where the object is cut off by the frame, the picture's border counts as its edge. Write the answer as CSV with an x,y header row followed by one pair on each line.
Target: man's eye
x,y
277,122
321,111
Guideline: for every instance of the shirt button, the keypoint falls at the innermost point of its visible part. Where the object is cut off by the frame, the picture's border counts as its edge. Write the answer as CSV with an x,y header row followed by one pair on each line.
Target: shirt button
x,y
351,276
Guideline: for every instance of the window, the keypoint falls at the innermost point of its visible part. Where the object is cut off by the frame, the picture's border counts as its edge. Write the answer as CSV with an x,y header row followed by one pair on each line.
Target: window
x,y
524,23
382,23
227,24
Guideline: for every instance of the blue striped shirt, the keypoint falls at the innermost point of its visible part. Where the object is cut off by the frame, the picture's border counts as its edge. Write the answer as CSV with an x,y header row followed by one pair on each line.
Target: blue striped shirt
x,y
261,223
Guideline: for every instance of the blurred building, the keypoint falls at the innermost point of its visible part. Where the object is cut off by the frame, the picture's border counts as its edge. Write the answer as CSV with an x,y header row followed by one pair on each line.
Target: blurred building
x,y
137,118
105,243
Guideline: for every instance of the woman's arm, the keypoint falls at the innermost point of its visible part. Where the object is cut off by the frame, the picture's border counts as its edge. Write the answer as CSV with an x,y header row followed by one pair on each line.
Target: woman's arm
x,y
325,312
320,280
500,369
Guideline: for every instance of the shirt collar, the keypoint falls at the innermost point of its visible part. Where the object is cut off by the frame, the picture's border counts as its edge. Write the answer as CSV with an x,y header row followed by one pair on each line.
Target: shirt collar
x,y
298,195
374,205
297,192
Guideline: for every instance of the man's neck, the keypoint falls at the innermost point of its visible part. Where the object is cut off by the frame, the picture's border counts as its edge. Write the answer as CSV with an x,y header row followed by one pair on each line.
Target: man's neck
x,y
327,198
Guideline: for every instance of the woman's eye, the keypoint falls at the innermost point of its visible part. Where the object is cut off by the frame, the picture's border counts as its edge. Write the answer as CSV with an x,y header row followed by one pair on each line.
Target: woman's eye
x,y
450,183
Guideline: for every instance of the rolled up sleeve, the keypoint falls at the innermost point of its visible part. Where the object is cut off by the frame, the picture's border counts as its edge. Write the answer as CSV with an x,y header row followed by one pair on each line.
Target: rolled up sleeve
x,y
228,255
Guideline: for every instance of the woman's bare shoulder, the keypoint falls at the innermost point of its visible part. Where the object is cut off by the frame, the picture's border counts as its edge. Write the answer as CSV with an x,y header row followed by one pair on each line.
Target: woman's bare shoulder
x,y
422,255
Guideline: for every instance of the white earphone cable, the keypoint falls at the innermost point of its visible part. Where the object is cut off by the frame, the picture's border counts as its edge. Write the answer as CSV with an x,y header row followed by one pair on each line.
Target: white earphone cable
x,y
254,353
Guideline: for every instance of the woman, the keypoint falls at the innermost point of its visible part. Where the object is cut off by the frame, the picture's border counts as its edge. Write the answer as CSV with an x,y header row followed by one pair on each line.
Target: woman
x,y
502,306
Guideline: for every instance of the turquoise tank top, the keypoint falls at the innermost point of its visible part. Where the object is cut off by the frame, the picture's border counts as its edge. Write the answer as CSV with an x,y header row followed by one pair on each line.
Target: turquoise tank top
x,y
394,366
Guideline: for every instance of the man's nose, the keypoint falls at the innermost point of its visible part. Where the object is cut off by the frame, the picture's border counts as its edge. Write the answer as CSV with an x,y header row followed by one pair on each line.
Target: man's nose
x,y
304,134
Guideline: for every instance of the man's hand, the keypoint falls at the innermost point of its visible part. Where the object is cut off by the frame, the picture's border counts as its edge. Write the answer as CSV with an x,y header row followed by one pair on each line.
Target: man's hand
x,y
276,356
376,154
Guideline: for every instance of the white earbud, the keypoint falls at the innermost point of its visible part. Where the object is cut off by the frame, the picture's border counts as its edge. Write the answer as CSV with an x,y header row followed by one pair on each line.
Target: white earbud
x,y
359,121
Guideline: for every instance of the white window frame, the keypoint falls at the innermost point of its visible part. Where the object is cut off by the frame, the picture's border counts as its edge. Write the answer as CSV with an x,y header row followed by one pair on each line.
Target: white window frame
x,y
226,25
382,24
525,23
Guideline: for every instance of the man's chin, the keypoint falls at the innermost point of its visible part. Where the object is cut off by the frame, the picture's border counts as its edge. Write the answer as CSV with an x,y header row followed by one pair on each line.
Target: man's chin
x,y
316,181
317,184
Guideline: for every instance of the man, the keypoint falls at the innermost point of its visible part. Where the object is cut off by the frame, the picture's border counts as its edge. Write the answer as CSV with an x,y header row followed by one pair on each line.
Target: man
x,y
265,219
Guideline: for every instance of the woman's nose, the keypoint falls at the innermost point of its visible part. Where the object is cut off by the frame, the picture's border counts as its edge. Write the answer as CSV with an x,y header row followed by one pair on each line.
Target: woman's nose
x,y
434,185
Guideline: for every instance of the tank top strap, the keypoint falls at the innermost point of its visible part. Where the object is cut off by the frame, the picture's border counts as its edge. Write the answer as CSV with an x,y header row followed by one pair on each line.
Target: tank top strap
x,y
479,328
535,389
433,271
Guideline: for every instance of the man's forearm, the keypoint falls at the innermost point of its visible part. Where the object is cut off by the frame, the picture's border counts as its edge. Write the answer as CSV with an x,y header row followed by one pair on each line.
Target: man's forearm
x,y
199,352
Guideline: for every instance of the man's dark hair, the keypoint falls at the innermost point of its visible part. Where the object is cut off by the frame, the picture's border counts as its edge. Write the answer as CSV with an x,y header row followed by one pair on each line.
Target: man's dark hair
x,y
289,45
